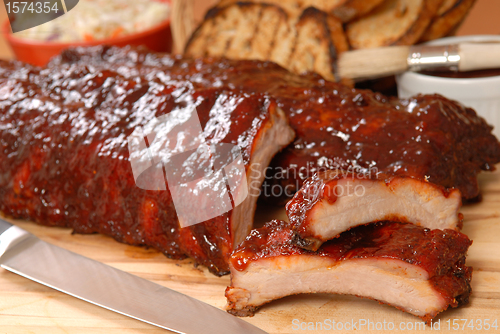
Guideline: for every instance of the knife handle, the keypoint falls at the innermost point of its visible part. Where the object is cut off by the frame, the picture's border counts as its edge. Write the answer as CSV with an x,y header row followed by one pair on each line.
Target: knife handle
x,y
4,226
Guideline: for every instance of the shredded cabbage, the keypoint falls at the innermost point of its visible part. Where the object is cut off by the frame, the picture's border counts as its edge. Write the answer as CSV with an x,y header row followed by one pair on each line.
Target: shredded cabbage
x,y
100,19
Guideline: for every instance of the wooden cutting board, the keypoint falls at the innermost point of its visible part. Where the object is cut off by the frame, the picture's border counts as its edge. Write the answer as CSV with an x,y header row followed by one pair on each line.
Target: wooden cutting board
x,y
28,307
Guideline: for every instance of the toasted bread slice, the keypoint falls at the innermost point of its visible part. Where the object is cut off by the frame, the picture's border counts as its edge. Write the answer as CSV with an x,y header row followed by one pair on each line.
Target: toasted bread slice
x,y
238,31
319,39
296,7
283,47
353,9
291,7
396,22
307,43
448,18
345,10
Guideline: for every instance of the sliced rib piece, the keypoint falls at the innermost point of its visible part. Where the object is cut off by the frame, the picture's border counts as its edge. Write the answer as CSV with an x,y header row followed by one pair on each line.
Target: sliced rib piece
x,y
334,201
417,270
64,157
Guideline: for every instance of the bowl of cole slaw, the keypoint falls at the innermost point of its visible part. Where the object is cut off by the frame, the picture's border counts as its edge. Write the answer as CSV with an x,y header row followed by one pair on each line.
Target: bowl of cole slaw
x,y
94,22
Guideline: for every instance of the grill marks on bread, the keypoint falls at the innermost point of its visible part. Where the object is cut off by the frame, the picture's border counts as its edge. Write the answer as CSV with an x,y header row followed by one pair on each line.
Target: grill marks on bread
x,y
395,22
310,42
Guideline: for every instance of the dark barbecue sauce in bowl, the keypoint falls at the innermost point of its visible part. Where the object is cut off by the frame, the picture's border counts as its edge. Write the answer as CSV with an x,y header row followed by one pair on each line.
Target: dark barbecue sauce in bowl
x,y
464,75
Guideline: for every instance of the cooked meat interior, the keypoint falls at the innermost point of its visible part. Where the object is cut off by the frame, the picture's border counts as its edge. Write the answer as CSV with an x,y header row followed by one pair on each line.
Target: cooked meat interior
x,y
417,270
65,155
334,201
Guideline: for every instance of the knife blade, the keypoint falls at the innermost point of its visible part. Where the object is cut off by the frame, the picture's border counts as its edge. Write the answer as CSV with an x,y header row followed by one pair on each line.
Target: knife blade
x,y
25,254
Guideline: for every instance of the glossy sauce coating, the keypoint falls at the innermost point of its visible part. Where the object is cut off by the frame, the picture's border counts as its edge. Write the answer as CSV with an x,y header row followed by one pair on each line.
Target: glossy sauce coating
x,y
464,75
426,137
64,157
63,129
433,250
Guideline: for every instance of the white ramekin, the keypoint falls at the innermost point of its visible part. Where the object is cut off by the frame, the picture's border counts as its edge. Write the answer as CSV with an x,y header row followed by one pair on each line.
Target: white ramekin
x,y
482,94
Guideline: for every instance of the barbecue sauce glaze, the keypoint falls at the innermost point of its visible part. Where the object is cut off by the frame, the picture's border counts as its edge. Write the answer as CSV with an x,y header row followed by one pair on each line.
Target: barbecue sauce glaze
x,y
63,129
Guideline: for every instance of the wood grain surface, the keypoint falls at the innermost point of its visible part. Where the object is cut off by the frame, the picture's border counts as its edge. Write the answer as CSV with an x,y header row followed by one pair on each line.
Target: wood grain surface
x,y
28,307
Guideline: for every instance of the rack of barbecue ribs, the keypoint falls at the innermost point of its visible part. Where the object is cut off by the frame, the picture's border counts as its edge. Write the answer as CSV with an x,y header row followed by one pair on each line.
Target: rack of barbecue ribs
x,y
64,158
417,270
425,137
333,201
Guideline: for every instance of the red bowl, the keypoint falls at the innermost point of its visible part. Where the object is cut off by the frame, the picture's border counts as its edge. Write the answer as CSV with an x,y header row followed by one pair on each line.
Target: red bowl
x,y
158,38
